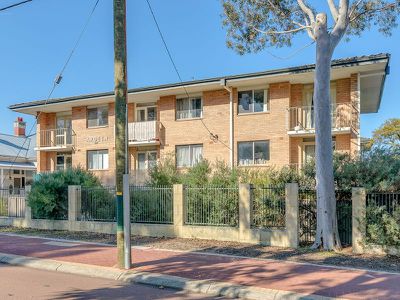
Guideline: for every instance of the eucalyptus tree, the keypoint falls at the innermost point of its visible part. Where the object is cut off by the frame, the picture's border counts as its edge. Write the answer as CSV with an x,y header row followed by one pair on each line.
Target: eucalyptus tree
x,y
253,25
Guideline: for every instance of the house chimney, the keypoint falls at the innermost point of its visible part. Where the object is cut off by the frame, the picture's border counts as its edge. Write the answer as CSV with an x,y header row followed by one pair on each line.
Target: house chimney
x,y
19,127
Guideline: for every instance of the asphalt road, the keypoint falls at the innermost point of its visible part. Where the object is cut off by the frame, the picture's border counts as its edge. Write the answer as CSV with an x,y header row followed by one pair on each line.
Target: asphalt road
x,y
26,283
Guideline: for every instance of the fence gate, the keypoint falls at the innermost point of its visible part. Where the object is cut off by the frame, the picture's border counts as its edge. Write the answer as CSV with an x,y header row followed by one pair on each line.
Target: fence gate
x,y
12,203
308,216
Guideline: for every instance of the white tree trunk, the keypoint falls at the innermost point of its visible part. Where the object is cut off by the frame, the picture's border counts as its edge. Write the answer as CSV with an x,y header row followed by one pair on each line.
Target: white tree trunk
x,y
327,234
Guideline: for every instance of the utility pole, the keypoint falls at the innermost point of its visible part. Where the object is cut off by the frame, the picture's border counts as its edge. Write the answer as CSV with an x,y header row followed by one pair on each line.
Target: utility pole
x,y
121,95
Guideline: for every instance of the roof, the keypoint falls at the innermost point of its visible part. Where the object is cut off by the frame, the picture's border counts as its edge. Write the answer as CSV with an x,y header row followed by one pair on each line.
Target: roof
x,y
17,165
336,64
11,145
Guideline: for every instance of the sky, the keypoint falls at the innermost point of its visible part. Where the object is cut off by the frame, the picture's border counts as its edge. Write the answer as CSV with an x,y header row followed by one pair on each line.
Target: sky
x,y
37,37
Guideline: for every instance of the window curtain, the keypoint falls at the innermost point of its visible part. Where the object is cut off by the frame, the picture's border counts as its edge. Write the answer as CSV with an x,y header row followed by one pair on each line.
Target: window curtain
x,y
183,156
197,154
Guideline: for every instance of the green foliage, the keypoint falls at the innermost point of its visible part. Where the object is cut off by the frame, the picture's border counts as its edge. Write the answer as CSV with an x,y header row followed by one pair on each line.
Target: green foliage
x,y
254,25
164,173
383,228
387,136
49,195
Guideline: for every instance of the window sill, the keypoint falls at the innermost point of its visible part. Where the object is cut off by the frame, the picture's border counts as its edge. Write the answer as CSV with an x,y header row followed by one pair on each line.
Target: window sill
x,y
98,170
97,127
255,165
254,113
188,119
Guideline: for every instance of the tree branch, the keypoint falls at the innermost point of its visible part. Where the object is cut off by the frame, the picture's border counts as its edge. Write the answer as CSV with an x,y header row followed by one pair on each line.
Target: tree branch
x,y
333,9
355,6
284,31
307,11
341,24
367,12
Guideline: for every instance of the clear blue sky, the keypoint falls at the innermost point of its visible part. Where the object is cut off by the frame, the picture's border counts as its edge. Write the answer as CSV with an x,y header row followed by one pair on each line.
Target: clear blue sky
x,y
37,37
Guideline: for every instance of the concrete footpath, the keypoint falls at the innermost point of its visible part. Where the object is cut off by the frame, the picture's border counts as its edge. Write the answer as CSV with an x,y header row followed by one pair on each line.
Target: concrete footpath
x,y
206,273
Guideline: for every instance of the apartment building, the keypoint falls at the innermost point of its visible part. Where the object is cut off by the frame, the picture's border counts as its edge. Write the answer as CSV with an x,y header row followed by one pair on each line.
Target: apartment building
x,y
252,120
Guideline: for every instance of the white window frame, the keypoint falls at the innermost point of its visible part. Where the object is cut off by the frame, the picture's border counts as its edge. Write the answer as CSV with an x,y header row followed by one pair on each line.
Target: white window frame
x,y
191,160
266,104
145,108
190,110
104,165
253,159
146,158
65,155
97,108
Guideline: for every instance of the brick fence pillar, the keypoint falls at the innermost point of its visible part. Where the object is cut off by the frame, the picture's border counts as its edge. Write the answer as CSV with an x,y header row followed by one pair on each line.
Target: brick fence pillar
x,y
179,208
359,229
74,202
292,214
245,204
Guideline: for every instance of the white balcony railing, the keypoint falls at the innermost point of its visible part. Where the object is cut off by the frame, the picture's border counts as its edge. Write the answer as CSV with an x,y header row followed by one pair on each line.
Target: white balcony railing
x,y
144,132
343,116
60,138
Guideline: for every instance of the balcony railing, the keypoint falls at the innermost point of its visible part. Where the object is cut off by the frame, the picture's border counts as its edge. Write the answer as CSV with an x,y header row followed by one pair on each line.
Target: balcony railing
x,y
145,133
56,139
344,116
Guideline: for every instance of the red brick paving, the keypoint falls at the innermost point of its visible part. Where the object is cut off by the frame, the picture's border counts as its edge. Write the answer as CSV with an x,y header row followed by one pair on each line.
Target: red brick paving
x,y
273,274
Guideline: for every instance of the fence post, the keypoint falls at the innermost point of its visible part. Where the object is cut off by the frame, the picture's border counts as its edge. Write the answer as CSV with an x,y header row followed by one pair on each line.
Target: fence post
x,y
179,208
245,212
292,214
74,202
359,207
28,210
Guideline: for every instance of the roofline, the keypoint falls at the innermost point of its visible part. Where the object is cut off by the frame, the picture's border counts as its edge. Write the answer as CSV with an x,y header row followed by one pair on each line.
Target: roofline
x,y
344,62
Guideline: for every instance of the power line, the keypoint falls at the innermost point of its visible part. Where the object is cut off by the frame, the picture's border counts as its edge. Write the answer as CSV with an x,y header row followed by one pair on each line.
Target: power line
x,y
14,5
56,82
213,136
294,53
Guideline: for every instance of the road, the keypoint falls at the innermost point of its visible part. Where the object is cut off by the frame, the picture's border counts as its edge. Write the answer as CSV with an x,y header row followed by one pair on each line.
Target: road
x,y
27,283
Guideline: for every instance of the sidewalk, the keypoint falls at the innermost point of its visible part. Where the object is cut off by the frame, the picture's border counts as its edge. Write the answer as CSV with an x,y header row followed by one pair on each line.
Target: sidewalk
x,y
269,274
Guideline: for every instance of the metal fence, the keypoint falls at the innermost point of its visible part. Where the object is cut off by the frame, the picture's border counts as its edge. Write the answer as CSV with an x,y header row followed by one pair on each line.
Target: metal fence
x,y
308,216
212,206
388,201
12,203
98,204
151,204
268,207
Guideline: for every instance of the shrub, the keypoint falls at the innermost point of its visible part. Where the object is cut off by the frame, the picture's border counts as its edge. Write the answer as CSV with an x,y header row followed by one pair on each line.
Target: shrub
x,y
383,228
48,198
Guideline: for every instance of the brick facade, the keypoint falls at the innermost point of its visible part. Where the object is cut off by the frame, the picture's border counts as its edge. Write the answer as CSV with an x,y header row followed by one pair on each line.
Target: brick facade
x,y
271,125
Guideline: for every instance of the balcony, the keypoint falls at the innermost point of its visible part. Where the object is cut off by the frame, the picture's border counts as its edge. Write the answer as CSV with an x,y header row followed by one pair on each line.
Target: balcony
x,y
60,139
344,118
144,133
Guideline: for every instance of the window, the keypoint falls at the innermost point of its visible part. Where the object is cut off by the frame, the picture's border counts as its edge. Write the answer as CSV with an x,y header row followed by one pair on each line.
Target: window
x,y
97,160
253,153
146,160
188,108
188,156
97,116
253,101
146,114
64,161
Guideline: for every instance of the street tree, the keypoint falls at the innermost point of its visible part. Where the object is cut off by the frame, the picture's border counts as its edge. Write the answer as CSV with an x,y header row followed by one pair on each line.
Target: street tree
x,y
253,25
387,135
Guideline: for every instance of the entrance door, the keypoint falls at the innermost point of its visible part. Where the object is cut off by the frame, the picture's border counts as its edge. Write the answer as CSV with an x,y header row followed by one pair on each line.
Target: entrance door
x,y
146,160
64,161
64,131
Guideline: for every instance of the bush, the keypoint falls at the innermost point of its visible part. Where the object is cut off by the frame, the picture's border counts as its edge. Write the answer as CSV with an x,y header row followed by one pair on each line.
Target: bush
x,y
383,228
48,198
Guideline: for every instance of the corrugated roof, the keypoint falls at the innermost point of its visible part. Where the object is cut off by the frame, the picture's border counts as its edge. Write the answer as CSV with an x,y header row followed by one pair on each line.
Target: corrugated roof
x,y
11,145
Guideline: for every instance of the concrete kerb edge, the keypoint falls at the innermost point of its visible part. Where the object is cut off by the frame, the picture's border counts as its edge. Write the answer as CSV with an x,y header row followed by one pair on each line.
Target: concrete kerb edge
x,y
196,286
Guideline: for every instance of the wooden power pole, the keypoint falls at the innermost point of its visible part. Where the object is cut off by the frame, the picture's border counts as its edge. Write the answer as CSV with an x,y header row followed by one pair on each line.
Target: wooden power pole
x,y
121,94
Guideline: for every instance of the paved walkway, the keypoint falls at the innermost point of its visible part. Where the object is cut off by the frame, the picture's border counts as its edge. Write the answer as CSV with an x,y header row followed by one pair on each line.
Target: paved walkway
x,y
271,274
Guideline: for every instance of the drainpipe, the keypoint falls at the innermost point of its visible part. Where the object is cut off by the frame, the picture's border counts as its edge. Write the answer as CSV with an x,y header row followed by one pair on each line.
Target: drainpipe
x,y
231,146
